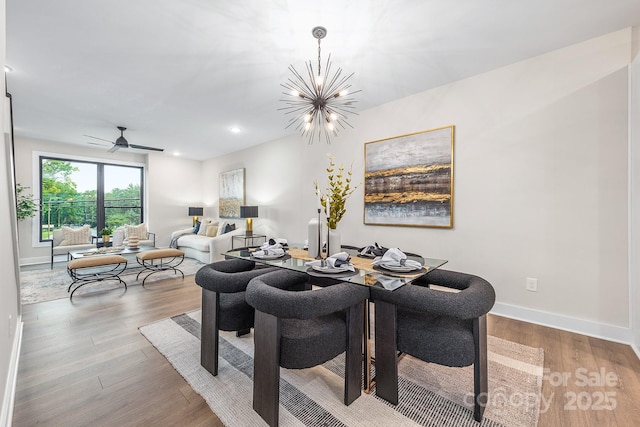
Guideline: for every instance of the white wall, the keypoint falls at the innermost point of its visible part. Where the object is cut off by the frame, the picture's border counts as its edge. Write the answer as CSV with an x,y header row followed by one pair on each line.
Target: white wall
x,y
10,321
634,162
174,184
540,182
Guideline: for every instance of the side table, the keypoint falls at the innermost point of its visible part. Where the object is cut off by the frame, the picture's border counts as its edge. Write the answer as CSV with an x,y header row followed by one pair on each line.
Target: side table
x,y
247,237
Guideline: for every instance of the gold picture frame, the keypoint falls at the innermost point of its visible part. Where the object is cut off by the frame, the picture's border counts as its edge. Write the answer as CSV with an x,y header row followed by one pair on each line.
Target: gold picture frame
x,y
408,179
231,194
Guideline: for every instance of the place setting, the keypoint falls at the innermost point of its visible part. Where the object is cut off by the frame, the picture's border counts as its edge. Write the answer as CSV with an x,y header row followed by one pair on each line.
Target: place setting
x,y
274,249
395,262
337,265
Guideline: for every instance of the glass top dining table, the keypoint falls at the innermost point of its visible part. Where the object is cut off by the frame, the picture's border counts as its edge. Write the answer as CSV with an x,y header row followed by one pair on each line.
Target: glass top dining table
x,y
365,274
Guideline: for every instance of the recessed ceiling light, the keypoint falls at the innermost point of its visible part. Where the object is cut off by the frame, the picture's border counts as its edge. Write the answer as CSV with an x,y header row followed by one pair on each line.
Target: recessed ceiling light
x,y
7,69
175,153
235,129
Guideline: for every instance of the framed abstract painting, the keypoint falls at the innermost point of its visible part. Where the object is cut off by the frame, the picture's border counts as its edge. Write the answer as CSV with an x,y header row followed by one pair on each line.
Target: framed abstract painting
x,y
231,195
408,180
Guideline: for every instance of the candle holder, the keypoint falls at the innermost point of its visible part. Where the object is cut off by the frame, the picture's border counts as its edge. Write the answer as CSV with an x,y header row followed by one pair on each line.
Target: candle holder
x,y
319,256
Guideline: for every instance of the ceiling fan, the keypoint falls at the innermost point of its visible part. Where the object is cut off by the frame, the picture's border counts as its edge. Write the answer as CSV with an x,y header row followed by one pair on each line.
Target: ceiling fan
x,y
121,142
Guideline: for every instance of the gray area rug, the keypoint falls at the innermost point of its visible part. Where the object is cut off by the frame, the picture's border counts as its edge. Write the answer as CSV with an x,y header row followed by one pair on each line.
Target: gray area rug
x,y
45,284
430,395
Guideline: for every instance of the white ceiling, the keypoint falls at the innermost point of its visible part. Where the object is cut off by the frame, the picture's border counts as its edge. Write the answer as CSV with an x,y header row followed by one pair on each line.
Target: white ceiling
x,y
179,74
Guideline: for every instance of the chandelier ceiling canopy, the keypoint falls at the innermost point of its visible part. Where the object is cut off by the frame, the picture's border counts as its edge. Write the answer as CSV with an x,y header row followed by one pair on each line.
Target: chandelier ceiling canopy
x,y
320,104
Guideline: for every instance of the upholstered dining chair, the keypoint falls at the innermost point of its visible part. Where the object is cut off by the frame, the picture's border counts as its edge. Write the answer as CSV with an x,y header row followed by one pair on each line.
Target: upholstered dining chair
x,y
443,327
302,329
223,305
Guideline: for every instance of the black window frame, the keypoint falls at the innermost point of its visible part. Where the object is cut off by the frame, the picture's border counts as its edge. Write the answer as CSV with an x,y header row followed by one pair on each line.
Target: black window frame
x,y
100,193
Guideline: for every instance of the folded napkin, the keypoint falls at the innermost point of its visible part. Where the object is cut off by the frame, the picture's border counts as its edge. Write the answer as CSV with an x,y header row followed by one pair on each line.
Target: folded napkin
x,y
339,260
394,257
272,242
373,250
390,283
267,249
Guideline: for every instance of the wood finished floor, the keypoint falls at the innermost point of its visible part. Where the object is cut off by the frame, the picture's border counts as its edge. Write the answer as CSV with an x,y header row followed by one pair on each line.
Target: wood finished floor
x,y
85,363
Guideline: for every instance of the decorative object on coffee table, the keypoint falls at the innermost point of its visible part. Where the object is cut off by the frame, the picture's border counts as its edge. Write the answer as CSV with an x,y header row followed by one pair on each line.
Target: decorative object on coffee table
x,y
133,242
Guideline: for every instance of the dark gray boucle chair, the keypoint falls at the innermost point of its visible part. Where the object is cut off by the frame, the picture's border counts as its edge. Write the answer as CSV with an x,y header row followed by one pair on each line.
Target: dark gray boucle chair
x,y
223,306
447,328
301,329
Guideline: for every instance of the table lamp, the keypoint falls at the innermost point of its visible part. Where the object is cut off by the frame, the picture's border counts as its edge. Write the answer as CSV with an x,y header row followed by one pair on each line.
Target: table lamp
x,y
195,213
249,212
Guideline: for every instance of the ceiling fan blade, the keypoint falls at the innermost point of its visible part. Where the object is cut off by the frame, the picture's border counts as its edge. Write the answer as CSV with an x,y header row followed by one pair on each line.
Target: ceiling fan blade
x,y
101,139
143,147
99,145
112,149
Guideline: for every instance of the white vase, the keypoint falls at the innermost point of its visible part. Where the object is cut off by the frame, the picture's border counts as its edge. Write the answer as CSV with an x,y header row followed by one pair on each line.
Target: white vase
x,y
314,233
334,242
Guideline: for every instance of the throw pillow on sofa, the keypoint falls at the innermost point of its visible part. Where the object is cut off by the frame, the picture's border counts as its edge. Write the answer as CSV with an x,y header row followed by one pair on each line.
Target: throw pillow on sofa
x,y
196,227
229,227
139,231
212,231
76,236
204,225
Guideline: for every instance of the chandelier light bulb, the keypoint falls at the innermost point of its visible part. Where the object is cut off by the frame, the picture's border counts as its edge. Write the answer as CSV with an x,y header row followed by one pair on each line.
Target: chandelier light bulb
x,y
319,102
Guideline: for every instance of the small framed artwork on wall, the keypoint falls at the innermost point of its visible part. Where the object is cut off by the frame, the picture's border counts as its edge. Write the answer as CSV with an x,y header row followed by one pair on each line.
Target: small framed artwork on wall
x,y
409,180
231,194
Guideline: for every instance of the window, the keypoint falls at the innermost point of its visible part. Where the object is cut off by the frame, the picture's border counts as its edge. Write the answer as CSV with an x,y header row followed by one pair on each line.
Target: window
x,y
75,193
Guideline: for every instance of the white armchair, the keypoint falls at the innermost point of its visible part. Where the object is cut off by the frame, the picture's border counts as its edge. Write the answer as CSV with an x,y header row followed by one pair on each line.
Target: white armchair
x,y
122,233
69,239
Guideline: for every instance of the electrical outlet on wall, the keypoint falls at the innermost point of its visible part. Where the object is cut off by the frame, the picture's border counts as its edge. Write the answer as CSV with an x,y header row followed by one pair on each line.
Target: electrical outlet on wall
x,y
532,284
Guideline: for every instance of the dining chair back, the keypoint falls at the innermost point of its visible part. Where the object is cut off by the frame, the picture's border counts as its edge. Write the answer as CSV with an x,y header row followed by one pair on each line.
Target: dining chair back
x,y
224,307
302,329
443,327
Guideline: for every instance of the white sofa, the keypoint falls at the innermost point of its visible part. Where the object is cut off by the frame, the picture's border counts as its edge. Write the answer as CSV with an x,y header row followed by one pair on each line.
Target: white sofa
x,y
204,248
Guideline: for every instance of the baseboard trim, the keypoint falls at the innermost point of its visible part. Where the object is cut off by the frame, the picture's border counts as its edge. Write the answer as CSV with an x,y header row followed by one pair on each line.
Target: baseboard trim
x,y
38,260
6,415
565,323
636,350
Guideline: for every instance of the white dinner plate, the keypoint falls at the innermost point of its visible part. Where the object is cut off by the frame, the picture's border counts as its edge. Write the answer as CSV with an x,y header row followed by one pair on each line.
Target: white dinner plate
x,y
274,256
329,270
399,268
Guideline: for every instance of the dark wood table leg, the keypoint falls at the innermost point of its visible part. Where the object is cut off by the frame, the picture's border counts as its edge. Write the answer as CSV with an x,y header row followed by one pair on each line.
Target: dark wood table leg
x,y
353,358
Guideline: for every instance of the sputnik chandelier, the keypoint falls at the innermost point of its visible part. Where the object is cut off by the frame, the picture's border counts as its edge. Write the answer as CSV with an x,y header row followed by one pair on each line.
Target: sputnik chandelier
x,y
320,105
